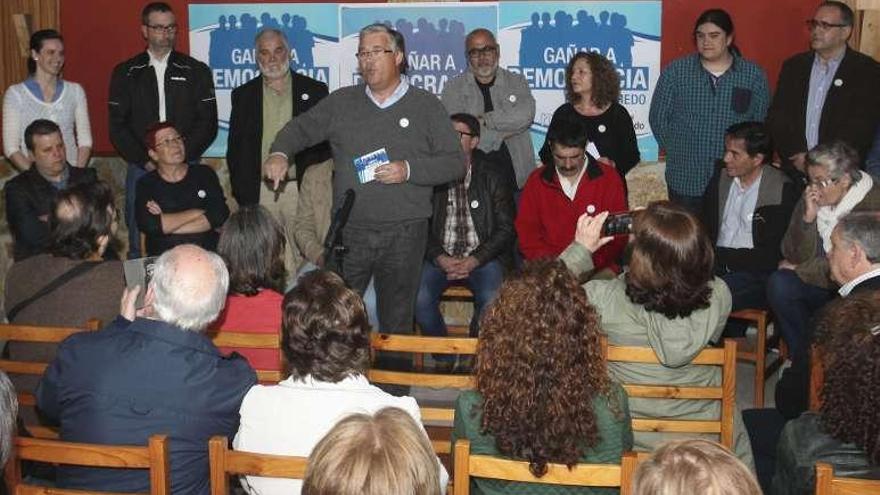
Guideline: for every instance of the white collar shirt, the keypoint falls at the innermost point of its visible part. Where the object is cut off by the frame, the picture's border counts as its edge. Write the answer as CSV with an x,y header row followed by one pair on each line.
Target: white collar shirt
x,y
846,288
398,93
159,65
736,221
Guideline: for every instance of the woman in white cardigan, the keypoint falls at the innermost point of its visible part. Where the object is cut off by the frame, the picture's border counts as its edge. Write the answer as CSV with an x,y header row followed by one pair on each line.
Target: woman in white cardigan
x,y
44,95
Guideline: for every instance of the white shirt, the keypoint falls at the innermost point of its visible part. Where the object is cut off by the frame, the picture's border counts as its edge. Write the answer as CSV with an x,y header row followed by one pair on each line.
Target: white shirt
x,y
736,221
159,66
292,417
398,93
846,288
570,188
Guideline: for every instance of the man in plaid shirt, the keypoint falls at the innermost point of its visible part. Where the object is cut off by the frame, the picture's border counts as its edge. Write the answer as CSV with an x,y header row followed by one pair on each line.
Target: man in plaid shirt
x,y
471,236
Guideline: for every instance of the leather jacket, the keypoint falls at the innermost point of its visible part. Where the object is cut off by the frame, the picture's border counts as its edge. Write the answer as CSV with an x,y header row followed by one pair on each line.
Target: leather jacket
x,y
492,210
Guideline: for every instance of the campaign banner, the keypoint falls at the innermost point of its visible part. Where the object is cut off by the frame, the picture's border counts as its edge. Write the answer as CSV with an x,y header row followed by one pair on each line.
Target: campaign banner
x,y
433,33
222,36
538,39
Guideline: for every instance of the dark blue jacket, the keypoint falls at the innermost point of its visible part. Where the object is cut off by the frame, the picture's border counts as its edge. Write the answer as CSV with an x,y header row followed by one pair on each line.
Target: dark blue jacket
x,y
135,379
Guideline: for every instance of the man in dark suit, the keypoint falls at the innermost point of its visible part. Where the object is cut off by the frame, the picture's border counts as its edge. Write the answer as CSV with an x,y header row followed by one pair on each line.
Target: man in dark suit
x,y
827,93
151,371
746,210
29,195
855,252
260,108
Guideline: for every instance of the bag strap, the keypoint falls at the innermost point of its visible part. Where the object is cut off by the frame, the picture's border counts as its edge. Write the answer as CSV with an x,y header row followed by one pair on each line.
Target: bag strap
x,y
51,286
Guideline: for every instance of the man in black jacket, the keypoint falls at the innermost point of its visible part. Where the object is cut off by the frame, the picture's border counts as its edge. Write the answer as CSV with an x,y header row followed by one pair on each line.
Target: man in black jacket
x,y
260,108
471,235
747,207
29,196
185,96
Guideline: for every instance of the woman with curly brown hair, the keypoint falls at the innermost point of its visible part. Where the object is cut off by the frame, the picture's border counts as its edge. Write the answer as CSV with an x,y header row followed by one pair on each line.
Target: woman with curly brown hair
x,y
542,388
668,300
592,87
846,430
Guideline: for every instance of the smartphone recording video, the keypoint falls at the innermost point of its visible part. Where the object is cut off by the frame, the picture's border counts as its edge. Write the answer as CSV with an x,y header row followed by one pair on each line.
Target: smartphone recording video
x,y
618,224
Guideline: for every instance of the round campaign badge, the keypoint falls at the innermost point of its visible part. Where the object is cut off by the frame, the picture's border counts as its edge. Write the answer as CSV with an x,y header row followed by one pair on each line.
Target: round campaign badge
x,y
512,98
602,128
202,194
591,209
838,82
475,204
404,122
304,97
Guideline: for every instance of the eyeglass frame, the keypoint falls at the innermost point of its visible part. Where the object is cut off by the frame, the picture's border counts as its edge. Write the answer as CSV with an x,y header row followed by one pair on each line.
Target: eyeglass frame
x,y
824,183
167,142
171,28
469,134
824,26
476,53
371,54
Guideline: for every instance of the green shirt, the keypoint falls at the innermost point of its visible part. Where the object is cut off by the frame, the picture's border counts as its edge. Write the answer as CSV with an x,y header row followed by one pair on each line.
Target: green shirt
x,y
277,111
615,438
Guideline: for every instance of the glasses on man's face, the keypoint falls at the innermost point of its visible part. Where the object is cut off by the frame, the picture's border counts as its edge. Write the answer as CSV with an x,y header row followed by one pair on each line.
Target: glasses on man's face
x,y
461,134
487,51
159,28
168,142
371,54
822,25
823,183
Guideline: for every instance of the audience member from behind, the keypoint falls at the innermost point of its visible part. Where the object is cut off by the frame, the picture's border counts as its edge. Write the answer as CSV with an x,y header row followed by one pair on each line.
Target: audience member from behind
x,y
846,430
177,203
682,467
29,195
854,258
252,245
803,284
668,300
72,283
381,454
746,208
542,388
151,371
326,340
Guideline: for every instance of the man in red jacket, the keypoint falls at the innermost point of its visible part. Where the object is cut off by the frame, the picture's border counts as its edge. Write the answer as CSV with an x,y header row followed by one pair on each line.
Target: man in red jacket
x,y
556,195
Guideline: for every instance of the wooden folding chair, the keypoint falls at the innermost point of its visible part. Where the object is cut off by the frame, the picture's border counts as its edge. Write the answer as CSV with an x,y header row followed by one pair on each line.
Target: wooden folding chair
x,y
153,457
243,340
36,334
225,462
758,353
468,465
726,393
417,345
828,484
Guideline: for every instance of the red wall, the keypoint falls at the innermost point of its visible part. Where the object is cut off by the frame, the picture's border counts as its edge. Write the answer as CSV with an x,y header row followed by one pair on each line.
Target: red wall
x,y
101,33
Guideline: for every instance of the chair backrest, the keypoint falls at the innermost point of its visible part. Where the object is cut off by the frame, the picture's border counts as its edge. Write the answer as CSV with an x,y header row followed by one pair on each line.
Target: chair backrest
x,y
827,484
225,462
485,466
421,345
244,340
817,378
36,334
153,457
724,357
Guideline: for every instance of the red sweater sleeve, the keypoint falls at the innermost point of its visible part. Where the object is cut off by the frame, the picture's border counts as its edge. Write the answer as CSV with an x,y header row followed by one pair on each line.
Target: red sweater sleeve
x,y
529,229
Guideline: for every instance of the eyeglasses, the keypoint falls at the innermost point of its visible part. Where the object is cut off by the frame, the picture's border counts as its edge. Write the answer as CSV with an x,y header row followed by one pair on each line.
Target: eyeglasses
x,y
371,54
488,51
169,142
171,28
822,25
463,134
822,184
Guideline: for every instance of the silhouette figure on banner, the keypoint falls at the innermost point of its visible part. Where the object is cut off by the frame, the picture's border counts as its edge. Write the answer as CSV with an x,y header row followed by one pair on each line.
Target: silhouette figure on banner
x,y
548,35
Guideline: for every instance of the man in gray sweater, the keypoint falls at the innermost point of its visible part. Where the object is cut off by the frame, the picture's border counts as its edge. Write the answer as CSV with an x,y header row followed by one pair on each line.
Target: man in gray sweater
x,y
385,120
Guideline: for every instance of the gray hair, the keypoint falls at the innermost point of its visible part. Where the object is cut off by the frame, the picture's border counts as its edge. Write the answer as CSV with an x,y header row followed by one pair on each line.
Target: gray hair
x,y
184,295
838,157
8,415
862,228
275,31
398,44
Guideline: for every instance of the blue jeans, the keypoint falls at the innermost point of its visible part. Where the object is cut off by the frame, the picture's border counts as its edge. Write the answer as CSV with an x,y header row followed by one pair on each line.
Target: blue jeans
x,y
794,303
134,234
483,281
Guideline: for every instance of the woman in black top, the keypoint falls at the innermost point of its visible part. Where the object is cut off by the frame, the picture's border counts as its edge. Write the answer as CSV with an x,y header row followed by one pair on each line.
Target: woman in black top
x,y
592,87
177,203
